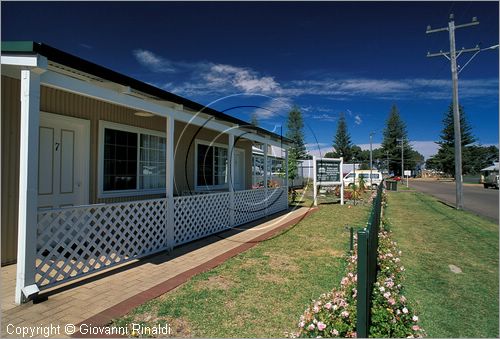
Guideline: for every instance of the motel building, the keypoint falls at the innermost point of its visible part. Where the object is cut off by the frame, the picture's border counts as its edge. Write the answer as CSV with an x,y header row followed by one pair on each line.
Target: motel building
x,y
99,168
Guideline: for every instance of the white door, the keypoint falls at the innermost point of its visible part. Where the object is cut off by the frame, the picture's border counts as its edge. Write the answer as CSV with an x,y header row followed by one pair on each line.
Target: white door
x,y
63,161
239,170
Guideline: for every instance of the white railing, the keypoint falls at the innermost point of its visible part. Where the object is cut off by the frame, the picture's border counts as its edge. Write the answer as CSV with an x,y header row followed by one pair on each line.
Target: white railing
x,y
196,216
75,241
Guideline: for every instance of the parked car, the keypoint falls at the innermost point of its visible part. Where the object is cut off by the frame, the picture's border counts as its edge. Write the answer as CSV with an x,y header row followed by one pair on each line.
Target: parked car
x,y
349,179
491,181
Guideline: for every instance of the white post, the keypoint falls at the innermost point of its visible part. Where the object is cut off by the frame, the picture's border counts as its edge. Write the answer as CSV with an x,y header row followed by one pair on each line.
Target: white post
x,y
265,175
28,182
286,170
169,182
231,179
315,188
341,181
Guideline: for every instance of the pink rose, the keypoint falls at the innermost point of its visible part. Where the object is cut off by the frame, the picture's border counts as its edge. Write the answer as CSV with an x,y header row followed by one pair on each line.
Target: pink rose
x,y
321,326
311,327
415,327
328,305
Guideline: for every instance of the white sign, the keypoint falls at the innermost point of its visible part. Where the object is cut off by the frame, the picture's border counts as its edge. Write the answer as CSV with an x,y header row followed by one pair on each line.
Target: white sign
x,y
328,172
407,173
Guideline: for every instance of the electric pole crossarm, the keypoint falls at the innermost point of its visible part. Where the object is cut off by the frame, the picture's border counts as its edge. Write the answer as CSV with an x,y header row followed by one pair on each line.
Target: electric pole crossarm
x,y
443,29
445,54
473,23
429,31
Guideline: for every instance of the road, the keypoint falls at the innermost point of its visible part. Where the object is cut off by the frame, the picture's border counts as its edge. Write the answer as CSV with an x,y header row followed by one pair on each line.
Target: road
x,y
477,199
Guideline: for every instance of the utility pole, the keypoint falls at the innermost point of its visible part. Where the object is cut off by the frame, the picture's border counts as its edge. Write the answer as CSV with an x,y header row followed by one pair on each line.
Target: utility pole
x,y
371,160
452,57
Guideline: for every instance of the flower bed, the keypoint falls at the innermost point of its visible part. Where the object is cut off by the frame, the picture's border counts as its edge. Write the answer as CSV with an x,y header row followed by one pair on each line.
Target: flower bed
x,y
334,313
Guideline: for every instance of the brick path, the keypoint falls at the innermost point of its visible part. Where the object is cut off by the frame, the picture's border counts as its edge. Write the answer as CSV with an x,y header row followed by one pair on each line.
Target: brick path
x,y
99,298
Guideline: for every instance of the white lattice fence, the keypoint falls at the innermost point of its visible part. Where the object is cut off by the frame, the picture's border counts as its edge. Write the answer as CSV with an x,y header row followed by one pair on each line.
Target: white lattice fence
x,y
72,242
249,206
197,216
277,200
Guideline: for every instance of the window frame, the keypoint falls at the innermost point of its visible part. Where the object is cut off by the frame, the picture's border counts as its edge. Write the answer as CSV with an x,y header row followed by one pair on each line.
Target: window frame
x,y
101,193
210,144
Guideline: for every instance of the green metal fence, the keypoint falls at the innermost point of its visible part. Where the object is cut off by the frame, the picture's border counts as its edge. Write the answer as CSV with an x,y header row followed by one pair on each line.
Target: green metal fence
x,y
367,265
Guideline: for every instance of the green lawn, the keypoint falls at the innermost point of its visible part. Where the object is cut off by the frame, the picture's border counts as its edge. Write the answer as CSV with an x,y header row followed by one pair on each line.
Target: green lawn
x,y
432,236
262,292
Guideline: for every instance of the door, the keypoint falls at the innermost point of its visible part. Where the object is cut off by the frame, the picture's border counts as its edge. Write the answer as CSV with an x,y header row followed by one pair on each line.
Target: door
x,y
63,161
239,169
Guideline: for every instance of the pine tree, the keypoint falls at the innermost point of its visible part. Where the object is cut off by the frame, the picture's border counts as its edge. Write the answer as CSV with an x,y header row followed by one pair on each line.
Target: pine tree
x,y
254,120
342,141
444,160
295,124
394,131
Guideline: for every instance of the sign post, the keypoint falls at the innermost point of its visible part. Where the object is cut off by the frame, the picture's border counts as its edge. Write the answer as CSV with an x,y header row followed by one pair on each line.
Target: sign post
x,y
407,175
327,172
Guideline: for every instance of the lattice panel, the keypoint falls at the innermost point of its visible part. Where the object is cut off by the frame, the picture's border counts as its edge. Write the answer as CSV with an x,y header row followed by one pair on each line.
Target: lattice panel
x,y
249,205
277,200
75,241
198,216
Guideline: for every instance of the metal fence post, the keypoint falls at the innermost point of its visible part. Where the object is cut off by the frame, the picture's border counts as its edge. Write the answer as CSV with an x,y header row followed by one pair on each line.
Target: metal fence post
x,y
351,245
362,286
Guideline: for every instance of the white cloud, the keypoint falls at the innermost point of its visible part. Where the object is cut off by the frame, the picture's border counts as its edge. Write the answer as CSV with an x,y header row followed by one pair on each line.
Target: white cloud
x,y
153,61
358,120
324,117
243,79
215,78
274,108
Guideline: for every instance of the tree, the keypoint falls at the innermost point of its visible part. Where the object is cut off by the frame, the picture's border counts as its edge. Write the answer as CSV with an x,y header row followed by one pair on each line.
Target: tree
x,y
295,125
394,132
444,160
254,120
342,141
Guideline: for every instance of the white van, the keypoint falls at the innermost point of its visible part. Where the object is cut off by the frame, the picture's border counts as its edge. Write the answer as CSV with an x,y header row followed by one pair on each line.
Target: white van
x,y
349,179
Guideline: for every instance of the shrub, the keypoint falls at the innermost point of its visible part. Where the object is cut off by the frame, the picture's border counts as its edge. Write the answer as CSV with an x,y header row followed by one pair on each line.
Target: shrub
x,y
334,313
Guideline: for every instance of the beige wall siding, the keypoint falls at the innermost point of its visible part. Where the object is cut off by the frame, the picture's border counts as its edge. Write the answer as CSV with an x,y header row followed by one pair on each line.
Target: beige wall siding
x,y
10,122
73,105
64,103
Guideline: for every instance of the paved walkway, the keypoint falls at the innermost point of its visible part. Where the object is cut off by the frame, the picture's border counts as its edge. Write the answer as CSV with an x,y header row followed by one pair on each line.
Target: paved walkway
x,y
99,298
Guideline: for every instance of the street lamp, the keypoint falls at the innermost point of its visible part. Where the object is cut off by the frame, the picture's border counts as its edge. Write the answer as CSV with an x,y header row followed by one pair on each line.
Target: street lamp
x,y
371,160
402,156
354,185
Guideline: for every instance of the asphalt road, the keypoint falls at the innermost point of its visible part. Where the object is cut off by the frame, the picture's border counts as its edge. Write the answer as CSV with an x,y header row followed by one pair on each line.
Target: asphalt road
x,y
477,199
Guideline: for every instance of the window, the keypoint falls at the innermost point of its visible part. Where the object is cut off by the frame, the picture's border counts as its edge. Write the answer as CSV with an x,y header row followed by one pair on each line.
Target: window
x,y
120,160
212,165
152,164
132,160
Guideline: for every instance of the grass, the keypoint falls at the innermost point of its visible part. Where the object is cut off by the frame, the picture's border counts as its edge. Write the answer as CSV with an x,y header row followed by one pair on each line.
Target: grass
x,y
433,236
263,291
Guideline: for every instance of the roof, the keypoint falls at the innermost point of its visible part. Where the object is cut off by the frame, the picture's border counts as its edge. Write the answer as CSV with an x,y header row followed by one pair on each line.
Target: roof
x,y
69,60
493,167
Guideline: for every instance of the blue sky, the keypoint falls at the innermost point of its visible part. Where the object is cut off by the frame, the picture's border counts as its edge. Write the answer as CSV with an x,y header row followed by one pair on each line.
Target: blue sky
x,y
325,57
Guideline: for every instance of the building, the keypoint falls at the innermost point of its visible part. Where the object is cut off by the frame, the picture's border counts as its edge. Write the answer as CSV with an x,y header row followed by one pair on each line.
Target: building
x,y
99,168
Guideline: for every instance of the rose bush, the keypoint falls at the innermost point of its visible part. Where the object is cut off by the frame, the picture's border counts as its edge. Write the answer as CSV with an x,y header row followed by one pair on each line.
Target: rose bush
x,y
334,313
